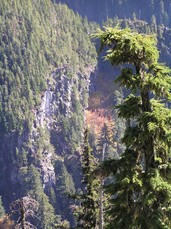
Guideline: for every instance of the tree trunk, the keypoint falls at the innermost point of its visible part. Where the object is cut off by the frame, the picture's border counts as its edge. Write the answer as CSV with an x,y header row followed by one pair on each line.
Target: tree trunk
x,y
149,144
101,220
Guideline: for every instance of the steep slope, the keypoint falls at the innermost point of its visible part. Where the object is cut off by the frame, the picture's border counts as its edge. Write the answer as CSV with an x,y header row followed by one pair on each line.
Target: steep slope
x,y
145,16
46,58
47,62
100,10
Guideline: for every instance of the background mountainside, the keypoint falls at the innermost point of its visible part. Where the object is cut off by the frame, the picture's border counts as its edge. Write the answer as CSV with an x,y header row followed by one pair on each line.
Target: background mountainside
x,y
52,87
103,9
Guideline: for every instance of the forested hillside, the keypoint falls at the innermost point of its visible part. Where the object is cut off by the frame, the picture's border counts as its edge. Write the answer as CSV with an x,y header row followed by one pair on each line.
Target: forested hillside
x,y
45,64
53,86
142,10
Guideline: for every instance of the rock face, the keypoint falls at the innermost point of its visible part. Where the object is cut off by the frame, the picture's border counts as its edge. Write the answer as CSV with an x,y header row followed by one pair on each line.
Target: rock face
x,y
48,155
58,101
45,70
47,64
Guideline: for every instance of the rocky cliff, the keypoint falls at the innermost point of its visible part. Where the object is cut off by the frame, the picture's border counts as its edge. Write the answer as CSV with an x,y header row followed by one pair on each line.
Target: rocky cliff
x,y
46,62
51,87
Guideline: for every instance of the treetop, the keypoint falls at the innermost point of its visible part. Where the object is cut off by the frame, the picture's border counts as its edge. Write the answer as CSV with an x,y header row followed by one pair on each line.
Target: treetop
x,y
127,46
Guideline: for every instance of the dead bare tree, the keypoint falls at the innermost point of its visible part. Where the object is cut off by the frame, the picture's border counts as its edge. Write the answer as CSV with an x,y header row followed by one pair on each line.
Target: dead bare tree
x,y
25,207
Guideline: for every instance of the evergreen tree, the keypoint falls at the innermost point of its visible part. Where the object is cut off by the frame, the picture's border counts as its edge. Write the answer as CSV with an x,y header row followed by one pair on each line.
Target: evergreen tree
x,y
162,11
46,212
86,214
105,149
134,17
141,189
153,24
37,38
106,146
2,211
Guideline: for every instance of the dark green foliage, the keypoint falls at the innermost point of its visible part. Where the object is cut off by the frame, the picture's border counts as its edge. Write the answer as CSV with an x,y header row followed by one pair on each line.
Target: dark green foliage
x,y
64,186
35,190
32,43
2,211
105,144
22,77
37,38
141,189
86,213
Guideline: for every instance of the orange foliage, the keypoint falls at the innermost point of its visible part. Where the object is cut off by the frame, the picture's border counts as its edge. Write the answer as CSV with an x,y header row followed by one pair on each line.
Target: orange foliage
x,y
6,223
97,118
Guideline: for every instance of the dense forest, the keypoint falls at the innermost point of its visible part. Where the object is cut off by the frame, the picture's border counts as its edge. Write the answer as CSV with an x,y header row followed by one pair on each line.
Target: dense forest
x,y
68,159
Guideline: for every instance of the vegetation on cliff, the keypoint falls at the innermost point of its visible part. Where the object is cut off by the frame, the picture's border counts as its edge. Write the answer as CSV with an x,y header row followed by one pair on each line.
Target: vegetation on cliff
x,y
46,57
48,67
